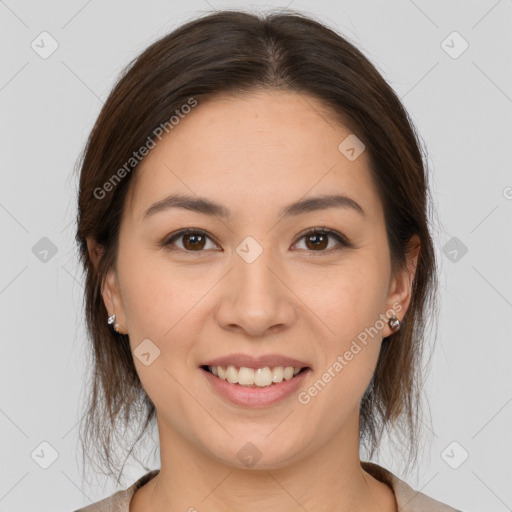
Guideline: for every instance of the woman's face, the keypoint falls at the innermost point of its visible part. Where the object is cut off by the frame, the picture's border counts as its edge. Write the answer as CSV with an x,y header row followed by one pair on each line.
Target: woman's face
x,y
257,282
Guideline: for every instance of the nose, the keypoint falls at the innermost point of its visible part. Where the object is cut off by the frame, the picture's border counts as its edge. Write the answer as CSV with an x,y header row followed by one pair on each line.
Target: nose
x,y
256,297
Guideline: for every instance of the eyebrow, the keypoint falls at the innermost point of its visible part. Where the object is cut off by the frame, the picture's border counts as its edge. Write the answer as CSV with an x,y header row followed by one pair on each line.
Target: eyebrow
x,y
207,207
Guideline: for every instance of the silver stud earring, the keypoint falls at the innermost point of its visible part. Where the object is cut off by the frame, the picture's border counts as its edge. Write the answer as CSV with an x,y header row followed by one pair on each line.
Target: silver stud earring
x,y
112,322
394,323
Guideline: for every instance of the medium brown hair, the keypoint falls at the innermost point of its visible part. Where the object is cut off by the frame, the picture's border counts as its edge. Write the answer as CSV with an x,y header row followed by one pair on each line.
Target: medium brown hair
x,y
237,52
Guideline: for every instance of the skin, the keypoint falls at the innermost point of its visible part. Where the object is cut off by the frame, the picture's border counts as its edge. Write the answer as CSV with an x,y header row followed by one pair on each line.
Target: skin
x,y
271,149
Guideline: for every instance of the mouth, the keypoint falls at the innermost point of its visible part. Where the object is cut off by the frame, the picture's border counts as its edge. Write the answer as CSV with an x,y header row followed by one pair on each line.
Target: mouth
x,y
263,377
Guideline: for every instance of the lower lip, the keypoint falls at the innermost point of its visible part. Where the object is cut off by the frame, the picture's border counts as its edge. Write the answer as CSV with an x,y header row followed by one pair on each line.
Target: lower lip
x,y
255,397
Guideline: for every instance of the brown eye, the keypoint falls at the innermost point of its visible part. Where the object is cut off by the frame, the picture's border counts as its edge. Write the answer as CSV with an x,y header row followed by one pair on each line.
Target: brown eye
x,y
317,240
193,240
196,240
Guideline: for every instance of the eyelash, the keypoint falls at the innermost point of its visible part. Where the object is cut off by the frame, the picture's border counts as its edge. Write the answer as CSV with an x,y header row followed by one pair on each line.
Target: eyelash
x,y
343,241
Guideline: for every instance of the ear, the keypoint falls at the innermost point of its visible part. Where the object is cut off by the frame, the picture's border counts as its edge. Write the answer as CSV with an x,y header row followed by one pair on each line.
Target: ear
x,y
110,288
400,288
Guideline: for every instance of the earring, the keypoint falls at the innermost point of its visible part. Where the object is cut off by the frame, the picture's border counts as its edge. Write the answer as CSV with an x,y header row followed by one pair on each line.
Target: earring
x,y
394,323
112,322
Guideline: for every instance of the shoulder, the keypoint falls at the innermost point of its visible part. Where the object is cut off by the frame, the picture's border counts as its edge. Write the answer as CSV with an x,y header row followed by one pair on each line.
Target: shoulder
x,y
120,500
408,499
117,502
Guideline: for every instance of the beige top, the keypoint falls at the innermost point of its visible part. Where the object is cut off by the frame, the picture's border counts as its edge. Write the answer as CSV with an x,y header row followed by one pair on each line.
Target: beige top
x,y
408,499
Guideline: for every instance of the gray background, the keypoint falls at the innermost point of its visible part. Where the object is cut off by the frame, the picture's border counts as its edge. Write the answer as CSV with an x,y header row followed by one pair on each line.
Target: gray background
x,y
462,108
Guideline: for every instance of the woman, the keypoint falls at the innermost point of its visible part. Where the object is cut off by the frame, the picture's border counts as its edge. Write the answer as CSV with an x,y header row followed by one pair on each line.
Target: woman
x,y
259,270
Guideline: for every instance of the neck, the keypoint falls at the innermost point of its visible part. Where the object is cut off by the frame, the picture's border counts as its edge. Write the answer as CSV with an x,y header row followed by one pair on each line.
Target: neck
x,y
327,479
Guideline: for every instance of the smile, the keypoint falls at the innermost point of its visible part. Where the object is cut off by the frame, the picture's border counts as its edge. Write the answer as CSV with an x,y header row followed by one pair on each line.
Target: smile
x,y
256,389
259,377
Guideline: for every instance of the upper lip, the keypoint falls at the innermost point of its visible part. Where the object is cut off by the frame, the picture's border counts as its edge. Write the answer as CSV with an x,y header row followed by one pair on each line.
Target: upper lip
x,y
270,360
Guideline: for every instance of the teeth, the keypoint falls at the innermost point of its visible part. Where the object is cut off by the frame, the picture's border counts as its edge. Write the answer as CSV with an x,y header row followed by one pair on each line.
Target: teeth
x,y
278,374
261,377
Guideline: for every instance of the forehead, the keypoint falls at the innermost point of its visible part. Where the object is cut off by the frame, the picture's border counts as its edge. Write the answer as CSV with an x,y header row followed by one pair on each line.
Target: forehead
x,y
254,149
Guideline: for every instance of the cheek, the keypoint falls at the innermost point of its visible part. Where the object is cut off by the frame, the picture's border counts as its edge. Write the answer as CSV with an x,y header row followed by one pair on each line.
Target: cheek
x,y
350,306
159,307
346,303
155,299
346,299
167,308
